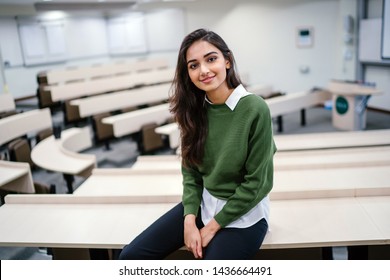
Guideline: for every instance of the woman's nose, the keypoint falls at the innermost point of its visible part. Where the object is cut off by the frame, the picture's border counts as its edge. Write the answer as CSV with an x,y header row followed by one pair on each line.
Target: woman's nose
x,y
204,70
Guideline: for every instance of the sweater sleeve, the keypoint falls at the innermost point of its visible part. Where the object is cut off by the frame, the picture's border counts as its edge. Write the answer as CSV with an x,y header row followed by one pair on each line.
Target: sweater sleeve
x,y
192,190
258,177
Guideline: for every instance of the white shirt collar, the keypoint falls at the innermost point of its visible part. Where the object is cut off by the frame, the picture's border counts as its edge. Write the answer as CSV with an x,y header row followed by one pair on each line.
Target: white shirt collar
x,y
233,99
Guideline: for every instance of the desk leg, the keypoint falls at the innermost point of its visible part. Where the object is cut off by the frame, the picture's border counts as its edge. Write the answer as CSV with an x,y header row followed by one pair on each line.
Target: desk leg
x,y
69,179
303,117
280,123
71,254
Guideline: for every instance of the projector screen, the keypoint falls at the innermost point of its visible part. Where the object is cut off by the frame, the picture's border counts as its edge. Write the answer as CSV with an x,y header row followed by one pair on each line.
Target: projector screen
x,y
386,30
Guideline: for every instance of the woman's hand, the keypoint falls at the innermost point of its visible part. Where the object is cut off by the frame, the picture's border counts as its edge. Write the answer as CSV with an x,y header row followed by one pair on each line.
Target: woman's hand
x,y
192,239
208,232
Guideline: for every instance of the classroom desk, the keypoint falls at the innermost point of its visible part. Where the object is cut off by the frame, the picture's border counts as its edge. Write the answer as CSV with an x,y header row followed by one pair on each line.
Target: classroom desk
x,y
278,106
60,155
157,162
165,185
108,84
18,125
326,222
16,177
173,133
292,160
309,223
260,89
293,102
327,140
7,102
131,122
377,208
55,76
118,100
139,186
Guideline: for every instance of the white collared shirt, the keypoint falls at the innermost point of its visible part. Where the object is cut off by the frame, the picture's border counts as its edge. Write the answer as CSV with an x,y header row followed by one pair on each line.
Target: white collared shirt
x,y
210,205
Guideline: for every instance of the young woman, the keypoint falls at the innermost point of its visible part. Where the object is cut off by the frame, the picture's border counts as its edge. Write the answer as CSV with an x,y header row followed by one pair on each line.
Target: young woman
x,y
227,151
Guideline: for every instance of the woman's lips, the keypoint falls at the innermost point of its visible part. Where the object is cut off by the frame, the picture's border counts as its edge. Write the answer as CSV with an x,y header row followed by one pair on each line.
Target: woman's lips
x,y
207,80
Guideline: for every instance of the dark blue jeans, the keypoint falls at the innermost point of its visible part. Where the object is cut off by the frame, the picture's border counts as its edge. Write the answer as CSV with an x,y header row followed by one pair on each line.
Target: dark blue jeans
x,y
166,235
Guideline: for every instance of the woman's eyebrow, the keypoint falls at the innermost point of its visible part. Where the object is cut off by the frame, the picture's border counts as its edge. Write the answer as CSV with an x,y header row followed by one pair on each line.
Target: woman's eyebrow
x,y
206,55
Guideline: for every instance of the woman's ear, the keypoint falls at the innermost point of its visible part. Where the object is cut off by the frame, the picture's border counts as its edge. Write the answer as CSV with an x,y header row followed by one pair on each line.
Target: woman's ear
x,y
227,64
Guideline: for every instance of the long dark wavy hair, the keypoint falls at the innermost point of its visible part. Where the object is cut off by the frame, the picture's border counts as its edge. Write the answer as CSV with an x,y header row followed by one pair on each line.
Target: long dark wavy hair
x,y
187,101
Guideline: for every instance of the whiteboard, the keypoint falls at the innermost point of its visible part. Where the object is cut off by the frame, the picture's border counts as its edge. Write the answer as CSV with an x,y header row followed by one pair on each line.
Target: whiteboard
x,y
55,39
33,41
10,48
386,30
42,42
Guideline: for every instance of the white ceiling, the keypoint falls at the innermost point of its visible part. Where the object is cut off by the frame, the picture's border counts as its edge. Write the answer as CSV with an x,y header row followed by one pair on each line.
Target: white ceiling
x,y
31,2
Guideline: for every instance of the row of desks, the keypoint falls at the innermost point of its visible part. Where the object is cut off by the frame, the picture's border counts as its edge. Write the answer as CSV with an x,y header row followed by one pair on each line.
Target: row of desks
x,y
110,84
342,172
314,207
60,76
296,223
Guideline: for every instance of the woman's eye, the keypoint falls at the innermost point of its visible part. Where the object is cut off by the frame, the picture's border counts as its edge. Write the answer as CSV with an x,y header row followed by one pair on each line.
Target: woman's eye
x,y
212,59
193,66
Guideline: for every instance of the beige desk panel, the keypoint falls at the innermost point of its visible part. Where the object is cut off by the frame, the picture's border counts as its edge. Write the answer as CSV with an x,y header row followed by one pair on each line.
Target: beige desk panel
x,y
20,124
131,122
16,176
166,185
142,188
333,178
308,159
378,208
328,140
57,154
294,102
7,102
118,100
321,222
8,174
76,225
294,224
88,72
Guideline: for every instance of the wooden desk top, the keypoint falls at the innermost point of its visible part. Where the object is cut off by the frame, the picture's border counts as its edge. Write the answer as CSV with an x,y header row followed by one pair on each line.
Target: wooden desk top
x,y
108,84
293,160
324,222
140,186
18,125
60,155
294,102
16,176
172,131
345,88
8,173
326,140
293,223
55,76
322,140
118,100
131,122
161,185
7,102
377,208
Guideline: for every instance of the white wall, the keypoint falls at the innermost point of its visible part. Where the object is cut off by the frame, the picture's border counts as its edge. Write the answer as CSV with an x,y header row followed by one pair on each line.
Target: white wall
x,y
262,37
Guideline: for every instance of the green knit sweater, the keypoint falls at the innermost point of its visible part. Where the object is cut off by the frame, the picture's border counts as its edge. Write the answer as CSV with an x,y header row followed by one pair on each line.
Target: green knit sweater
x,y
238,159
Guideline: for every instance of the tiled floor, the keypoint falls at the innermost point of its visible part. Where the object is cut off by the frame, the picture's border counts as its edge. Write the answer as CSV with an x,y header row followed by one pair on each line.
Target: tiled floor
x,y
124,152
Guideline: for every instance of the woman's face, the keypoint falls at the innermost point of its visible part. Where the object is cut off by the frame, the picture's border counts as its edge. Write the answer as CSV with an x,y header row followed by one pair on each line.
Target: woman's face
x,y
207,67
